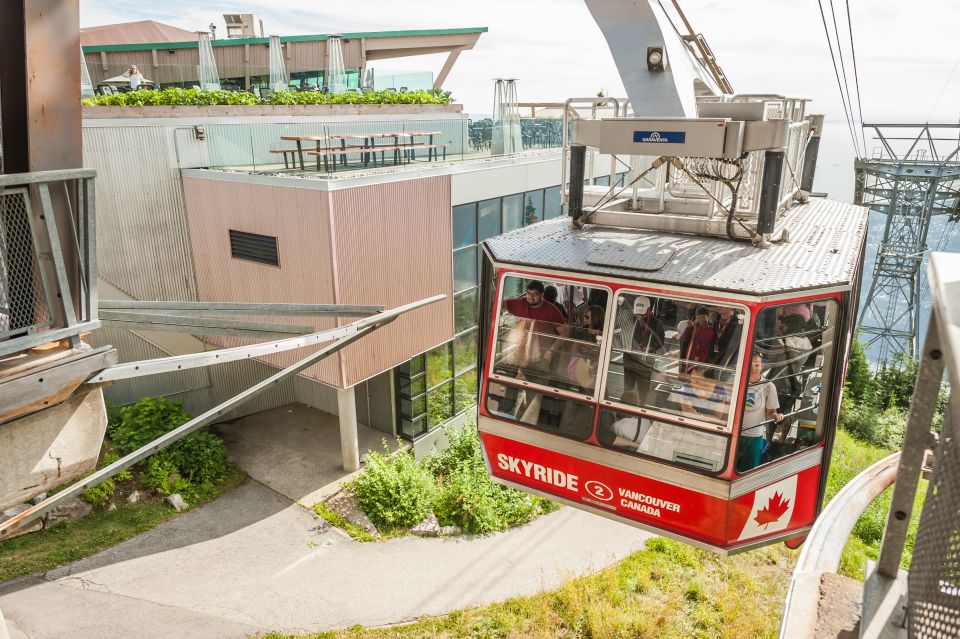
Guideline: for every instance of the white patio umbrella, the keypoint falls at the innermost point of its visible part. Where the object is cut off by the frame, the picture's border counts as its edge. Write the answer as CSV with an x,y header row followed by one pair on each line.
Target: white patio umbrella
x,y
122,79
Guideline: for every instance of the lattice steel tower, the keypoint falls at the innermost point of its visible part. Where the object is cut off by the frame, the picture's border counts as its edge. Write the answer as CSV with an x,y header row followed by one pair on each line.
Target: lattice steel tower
x,y
911,177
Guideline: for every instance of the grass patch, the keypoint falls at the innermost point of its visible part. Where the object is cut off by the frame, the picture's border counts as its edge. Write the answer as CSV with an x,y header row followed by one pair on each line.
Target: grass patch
x,y
668,591
73,540
850,457
336,519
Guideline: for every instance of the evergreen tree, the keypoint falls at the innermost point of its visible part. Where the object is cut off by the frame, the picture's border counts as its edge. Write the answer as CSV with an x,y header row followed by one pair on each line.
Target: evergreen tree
x,y
859,385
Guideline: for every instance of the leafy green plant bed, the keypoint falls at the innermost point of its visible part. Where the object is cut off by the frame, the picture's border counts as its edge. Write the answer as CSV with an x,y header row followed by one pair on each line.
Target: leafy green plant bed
x,y
195,467
397,492
205,97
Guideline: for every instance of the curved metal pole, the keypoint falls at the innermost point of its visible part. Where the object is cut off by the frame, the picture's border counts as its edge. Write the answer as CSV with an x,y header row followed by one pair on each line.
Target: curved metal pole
x,y
824,546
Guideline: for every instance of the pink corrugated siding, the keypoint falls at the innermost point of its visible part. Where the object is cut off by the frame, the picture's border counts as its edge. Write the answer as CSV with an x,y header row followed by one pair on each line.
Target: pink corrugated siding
x,y
391,246
299,219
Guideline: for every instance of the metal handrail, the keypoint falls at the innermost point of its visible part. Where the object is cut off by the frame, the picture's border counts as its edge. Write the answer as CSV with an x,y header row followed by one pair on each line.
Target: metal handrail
x,y
824,545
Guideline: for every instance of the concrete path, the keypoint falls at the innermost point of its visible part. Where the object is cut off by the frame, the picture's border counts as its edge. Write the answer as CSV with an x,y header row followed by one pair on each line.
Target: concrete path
x,y
254,561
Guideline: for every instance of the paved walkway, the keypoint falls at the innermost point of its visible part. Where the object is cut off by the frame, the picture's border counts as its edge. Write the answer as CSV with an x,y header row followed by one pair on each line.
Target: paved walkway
x,y
254,561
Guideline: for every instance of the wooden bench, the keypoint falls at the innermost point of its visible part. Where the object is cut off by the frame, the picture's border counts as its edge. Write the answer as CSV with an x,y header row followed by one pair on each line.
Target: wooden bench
x,y
431,150
288,156
363,151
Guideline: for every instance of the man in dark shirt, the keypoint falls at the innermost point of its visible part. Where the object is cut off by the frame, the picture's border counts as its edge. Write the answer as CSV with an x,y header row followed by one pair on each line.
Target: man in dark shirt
x,y
545,319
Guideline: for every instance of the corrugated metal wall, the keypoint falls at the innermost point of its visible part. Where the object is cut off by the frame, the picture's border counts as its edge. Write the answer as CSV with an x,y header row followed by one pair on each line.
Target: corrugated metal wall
x,y
298,218
392,245
143,245
180,385
386,244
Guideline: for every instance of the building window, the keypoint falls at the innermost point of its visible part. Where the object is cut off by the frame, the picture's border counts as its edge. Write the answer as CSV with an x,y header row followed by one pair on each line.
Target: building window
x,y
441,384
254,248
533,207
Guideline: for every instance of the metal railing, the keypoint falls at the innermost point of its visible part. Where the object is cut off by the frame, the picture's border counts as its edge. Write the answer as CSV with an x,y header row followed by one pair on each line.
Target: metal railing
x,y
47,258
924,603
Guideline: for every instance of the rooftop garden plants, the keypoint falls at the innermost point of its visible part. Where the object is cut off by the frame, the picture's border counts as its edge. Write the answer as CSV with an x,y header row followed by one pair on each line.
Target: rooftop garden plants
x,y
205,97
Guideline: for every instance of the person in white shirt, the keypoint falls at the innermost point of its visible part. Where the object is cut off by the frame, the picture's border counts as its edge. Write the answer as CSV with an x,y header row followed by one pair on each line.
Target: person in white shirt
x,y
136,78
760,406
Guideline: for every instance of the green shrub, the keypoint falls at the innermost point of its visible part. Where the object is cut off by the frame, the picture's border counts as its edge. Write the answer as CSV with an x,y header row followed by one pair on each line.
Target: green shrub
x,y
187,466
463,445
163,477
144,421
200,457
206,97
467,500
99,496
394,490
467,497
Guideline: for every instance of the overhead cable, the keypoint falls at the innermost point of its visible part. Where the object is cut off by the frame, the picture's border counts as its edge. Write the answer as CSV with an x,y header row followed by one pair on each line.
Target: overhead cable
x,y
856,78
836,72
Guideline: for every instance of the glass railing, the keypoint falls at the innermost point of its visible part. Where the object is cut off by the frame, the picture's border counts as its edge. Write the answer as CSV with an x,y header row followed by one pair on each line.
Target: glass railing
x,y
412,81
334,147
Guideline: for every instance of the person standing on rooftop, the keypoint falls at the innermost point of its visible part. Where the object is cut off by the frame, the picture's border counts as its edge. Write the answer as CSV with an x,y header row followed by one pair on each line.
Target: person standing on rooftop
x,y
136,78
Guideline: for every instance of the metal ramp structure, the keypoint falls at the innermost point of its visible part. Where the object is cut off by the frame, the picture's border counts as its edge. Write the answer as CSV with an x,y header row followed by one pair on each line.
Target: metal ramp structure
x,y
913,177
924,602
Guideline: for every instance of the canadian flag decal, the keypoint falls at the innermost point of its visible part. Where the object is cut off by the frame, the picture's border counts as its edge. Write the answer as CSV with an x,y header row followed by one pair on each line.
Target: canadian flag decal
x,y
772,509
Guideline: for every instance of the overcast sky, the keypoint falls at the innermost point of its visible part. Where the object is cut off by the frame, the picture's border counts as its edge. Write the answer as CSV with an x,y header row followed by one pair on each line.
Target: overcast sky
x,y
905,50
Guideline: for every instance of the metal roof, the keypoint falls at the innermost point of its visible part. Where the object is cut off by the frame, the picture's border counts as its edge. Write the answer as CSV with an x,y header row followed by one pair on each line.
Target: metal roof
x,y
228,42
824,250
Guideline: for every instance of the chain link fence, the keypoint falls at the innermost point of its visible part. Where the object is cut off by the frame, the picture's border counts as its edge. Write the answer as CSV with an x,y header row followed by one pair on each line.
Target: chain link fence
x,y
23,302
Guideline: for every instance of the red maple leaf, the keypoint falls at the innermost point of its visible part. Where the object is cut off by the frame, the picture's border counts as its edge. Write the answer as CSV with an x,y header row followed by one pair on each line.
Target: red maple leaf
x,y
773,511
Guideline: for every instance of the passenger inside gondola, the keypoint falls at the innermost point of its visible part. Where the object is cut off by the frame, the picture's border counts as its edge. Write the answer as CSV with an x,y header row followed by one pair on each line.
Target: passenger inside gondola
x,y
657,348
795,342
551,335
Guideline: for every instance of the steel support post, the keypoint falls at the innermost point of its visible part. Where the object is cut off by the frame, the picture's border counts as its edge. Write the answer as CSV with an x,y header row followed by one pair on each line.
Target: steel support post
x,y
916,441
578,163
770,191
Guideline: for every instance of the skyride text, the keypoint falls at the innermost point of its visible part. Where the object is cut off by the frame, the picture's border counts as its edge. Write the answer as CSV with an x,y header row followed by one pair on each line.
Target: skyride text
x,y
629,499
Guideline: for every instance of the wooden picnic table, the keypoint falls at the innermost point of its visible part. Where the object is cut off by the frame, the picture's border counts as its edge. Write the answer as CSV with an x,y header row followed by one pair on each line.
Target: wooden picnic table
x,y
300,139
326,146
431,147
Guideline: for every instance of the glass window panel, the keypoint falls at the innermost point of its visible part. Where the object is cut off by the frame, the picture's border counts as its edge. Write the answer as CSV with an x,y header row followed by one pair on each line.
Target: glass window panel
x,y
551,203
413,408
440,404
675,356
412,387
464,310
465,387
551,343
790,370
602,181
464,268
489,218
512,212
411,367
439,365
533,207
411,428
646,437
465,351
464,225
543,411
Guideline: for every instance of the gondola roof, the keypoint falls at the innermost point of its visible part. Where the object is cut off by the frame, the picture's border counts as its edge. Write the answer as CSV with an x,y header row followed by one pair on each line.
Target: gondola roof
x,y
823,251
